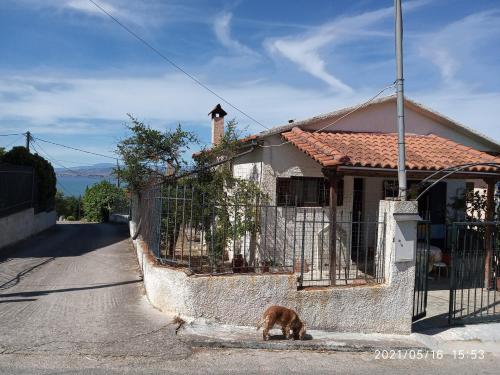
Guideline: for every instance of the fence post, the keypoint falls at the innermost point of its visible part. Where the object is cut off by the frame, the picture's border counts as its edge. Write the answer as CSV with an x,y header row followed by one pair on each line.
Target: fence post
x,y
302,251
160,212
454,238
331,175
490,208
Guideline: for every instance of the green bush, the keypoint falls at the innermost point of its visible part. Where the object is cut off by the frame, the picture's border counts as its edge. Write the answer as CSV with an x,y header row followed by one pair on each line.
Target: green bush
x,y
100,199
44,172
68,206
70,218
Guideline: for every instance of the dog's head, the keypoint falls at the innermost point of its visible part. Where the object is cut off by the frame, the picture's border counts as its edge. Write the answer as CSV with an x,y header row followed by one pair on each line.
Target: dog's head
x,y
302,331
299,329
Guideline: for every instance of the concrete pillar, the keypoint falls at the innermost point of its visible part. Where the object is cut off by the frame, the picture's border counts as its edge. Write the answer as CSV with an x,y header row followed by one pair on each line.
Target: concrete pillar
x,y
399,248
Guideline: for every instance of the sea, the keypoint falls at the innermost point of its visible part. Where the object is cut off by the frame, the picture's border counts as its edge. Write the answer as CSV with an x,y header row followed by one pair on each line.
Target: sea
x,y
76,185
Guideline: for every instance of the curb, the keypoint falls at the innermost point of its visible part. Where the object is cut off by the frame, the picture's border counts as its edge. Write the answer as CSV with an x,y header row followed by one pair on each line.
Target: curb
x,y
333,346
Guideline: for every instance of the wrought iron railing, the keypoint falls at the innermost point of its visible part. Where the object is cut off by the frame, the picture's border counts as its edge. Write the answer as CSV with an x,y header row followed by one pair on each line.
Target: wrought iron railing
x,y
16,188
183,227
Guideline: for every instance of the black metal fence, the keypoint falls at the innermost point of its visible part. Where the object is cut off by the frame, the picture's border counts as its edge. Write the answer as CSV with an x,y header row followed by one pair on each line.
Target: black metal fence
x,y
422,267
182,227
475,272
16,188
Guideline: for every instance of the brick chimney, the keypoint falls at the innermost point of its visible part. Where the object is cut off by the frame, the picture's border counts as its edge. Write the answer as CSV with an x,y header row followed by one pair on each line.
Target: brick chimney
x,y
217,115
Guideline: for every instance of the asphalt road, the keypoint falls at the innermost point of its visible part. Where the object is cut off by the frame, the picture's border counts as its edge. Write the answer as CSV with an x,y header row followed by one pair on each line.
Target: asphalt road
x,y
76,289
72,301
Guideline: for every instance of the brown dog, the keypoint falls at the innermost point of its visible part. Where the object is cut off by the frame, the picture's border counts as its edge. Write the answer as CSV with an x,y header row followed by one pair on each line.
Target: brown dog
x,y
287,318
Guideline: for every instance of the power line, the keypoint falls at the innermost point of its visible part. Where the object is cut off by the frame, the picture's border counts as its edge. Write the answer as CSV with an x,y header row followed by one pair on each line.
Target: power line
x,y
14,141
8,135
193,78
74,148
356,108
51,159
62,187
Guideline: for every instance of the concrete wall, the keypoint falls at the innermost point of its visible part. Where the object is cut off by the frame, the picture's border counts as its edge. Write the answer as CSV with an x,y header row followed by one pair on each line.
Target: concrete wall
x,y
241,299
24,224
119,218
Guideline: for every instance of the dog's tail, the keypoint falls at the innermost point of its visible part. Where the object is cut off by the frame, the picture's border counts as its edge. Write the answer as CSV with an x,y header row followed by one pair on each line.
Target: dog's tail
x,y
259,324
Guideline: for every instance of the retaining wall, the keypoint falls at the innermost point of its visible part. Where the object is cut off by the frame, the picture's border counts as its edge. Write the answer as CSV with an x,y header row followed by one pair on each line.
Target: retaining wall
x,y
24,224
241,299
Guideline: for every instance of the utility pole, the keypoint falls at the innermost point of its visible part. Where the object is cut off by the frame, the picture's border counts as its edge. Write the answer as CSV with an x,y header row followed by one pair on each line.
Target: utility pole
x,y
117,174
28,140
400,101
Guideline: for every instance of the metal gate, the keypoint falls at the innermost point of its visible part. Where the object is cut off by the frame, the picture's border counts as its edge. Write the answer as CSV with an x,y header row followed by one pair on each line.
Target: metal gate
x,y
421,270
475,272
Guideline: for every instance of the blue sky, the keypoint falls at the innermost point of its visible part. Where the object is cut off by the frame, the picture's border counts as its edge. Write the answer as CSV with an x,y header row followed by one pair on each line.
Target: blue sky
x,y
70,75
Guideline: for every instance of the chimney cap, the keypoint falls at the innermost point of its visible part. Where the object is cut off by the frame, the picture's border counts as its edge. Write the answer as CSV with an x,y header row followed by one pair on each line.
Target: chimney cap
x,y
217,111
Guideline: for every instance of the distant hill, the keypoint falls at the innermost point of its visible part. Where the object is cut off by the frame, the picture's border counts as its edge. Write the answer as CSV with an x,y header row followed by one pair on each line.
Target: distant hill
x,y
96,170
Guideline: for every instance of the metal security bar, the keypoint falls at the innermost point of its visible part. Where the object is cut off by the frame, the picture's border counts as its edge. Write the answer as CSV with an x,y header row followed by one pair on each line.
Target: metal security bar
x,y
16,188
475,272
421,270
183,227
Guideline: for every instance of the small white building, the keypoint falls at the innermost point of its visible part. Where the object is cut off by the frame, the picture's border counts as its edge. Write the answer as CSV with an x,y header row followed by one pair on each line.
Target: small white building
x,y
351,154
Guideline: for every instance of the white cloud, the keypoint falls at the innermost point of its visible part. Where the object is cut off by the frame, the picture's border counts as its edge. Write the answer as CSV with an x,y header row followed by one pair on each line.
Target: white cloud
x,y
456,44
98,105
87,7
305,49
222,28
151,13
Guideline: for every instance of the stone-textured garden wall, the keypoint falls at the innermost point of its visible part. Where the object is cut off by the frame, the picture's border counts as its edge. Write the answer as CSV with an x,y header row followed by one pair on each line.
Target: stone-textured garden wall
x,y
241,299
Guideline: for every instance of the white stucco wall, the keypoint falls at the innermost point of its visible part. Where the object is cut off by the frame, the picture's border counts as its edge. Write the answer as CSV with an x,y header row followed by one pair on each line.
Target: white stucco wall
x,y
24,224
241,299
381,118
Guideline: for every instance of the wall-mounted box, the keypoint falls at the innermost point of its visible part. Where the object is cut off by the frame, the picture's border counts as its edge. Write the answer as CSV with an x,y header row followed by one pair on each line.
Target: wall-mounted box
x,y
405,236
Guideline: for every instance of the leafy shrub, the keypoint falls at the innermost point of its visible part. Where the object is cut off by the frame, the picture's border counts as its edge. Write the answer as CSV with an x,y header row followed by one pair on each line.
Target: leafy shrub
x,y
100,199
68,206
44,172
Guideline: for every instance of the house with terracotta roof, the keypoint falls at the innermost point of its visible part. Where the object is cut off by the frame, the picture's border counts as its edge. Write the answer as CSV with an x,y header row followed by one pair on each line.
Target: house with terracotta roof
x,y
349,156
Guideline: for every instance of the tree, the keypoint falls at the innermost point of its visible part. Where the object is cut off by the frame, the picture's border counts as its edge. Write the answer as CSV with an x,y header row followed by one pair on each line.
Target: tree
x,y
471,203
2,151
232,201
68,206
44,172
152,156
100,199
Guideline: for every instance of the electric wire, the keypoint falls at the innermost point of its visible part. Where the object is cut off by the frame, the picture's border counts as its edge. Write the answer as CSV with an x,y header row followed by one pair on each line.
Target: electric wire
x,y
65,190
14,141
38,148
74,148
356,108
175,65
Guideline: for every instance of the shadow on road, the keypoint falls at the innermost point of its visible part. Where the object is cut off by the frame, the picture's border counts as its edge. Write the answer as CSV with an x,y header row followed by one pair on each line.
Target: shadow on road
x,y
66,240
37,293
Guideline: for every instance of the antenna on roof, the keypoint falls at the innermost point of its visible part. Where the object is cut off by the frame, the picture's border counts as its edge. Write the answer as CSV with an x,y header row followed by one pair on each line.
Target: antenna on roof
x,y
400,101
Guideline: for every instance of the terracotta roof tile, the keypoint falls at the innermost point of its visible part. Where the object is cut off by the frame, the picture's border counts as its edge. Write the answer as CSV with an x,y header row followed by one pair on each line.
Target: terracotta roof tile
x,y
379,150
